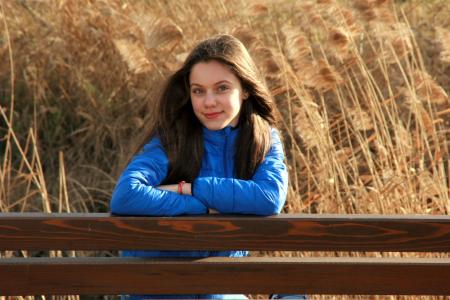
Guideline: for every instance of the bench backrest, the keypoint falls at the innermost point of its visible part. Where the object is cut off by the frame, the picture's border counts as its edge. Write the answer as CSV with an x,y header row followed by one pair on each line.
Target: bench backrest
x,y
310,275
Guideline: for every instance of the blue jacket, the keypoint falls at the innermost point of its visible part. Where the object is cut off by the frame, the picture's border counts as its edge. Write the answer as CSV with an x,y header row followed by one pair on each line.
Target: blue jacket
x,y
215,187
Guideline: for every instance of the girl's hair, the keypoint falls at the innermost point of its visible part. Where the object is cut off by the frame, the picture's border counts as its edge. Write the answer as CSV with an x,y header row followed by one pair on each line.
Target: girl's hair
x,y
181,133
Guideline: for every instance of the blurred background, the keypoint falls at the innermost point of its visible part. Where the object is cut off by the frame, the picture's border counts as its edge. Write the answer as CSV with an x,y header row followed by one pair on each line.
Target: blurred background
x,y
362,87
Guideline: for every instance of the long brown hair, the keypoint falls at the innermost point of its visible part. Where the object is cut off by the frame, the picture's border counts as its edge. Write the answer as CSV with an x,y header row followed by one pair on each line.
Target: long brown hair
x,y
179,130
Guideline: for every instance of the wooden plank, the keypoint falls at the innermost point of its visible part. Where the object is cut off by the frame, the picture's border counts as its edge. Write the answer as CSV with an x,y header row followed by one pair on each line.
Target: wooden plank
x,y
31,231
56,276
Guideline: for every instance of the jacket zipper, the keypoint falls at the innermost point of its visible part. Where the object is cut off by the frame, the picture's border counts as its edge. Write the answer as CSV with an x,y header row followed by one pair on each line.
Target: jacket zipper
x,y
225,156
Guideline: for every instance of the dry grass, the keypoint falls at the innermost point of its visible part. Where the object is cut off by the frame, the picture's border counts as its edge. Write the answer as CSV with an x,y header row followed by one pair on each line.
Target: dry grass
x,y
362,86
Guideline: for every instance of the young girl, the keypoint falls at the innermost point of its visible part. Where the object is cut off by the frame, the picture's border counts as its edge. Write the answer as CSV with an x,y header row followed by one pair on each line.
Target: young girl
x,y
212,147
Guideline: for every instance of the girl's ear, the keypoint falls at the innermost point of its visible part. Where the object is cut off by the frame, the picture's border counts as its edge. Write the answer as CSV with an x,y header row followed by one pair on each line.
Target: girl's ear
x,y
245,95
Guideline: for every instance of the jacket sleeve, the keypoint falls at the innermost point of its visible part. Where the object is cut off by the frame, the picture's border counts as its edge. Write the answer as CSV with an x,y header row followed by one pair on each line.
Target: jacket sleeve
x,y
264,194
136,193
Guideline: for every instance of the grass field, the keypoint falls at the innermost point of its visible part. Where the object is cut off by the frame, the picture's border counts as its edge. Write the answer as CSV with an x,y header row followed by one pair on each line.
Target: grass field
x,y
362,87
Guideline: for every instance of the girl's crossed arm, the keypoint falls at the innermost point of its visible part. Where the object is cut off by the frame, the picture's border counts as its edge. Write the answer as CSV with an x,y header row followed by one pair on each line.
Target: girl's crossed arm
x,y
264,194
137,191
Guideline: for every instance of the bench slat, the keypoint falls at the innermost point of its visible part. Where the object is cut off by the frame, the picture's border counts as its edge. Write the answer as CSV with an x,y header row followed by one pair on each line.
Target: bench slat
x,y
59,276
37,231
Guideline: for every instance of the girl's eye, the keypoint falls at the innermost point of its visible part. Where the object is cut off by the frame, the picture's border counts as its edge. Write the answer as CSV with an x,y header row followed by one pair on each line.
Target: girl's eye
x,y
223,88
196,91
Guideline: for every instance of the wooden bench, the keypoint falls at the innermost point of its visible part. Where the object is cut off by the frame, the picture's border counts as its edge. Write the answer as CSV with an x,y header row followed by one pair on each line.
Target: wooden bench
x,y
264,275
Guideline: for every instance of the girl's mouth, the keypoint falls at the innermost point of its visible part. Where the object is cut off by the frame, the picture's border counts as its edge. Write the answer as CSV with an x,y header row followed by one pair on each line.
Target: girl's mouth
x,y
212,115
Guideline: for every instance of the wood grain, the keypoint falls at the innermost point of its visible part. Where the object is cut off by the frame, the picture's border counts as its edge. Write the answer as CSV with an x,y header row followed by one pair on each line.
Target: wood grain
x,y
36,231
60,276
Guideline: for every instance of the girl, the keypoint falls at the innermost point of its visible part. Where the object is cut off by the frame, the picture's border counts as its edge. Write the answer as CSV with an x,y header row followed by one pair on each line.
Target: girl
x,y
212,147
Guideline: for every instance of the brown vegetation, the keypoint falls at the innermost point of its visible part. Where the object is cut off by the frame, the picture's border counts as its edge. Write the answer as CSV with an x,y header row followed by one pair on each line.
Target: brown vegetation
x,y
362,86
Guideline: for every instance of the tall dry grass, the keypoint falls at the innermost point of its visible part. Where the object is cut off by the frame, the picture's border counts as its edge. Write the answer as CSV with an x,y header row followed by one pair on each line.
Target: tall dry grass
x,y
362,87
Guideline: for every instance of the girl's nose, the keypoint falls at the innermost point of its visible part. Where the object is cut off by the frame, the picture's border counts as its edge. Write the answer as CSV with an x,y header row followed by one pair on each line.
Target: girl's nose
x,y
210,99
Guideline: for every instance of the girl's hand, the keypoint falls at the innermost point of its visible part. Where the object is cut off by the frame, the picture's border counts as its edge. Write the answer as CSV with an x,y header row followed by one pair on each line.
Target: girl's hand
x,y
168,187
186,188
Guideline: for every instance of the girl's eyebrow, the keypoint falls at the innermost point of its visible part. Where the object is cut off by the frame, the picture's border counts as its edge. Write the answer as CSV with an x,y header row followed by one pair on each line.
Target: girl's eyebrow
x,y
218,82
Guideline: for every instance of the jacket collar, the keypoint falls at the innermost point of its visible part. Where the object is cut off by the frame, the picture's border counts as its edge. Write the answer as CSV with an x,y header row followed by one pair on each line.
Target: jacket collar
x,y
219,136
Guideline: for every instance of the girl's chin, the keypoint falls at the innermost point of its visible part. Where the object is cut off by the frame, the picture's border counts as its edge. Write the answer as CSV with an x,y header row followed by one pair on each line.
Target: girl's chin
x,y
213,126
217,124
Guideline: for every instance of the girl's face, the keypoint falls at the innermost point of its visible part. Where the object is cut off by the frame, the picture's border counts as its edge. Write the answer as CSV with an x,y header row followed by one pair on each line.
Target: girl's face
x,y
216,95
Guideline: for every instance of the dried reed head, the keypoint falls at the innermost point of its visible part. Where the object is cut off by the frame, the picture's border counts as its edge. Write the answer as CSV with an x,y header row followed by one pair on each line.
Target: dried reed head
x,y
325,77
247,36
443,39
403,141
429,188
348,16
395,39
308,15
384,11
306,6
428,89
133,55
338,38
325,1
365,9
297,47
401,46
267,62
419,110
339,43
360,119
159,33
308,123
257,9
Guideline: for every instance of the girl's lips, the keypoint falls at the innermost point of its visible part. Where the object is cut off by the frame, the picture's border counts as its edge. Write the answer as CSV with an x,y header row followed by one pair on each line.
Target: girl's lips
x,y
212,115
